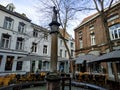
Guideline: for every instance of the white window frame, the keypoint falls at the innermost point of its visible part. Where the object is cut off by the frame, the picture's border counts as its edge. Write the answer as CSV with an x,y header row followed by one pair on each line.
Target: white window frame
x,y
21,28
34,47
6,43
8,24
91,27
19,44
35,33
45,36
81,43
92,39
61,51
113,18
45,49
65,53
112,32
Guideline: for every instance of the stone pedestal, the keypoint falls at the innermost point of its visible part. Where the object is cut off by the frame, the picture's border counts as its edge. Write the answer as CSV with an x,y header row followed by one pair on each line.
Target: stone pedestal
x,y
53,81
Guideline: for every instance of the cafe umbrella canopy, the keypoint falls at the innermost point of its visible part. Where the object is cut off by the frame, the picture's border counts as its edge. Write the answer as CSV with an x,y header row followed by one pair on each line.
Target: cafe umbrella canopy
x,y
37,57
111,56
84,60
87,57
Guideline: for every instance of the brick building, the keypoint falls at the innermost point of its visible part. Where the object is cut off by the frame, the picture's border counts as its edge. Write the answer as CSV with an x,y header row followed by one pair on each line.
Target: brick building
x,y
91,37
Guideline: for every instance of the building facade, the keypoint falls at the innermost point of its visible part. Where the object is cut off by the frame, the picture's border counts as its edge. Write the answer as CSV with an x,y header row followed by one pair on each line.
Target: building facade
x,y
91,37
20,38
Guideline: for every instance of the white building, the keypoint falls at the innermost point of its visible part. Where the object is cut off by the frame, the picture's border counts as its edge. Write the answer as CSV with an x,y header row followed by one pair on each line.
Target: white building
x,y
20,38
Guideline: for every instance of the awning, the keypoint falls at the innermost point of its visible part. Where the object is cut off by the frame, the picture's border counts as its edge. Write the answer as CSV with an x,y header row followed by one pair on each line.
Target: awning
x,y
111,56
36,57
87,57
32,58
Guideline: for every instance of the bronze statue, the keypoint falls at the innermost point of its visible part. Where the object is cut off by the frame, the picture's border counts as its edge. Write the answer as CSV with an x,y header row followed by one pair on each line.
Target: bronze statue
x,y
54,18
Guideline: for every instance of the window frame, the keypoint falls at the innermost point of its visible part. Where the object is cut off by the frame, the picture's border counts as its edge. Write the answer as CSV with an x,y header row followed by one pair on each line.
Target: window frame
x,y
34,47
8,23
35,33
114,32
7,39
19,65
44,49
21,27
19,43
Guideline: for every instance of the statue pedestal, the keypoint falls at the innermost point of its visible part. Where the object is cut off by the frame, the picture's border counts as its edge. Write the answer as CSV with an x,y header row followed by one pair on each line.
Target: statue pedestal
x,y
53,81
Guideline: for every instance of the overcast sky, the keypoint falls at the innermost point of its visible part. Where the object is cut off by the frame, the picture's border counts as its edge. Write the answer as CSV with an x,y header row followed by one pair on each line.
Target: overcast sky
x,y
28,7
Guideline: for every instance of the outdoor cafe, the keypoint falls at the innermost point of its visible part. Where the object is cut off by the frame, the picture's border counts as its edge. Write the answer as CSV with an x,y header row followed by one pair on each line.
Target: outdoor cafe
x,y
89,69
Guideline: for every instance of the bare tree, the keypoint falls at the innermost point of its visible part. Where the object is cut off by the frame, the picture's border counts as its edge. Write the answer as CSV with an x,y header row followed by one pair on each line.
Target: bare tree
x,y
67,12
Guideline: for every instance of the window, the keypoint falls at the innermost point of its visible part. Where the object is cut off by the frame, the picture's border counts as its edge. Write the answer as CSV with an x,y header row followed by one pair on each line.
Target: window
x,y
114,32
118,66
0,59
9,62
10,7
80,33
113,17
81,43
19,65
92,37
71,44
60,52
45,36
8,23
45,49
72,53
80,39
21,27
19,44
35,33
5,41
61,42
33,66
40,65
65,53
91,27
34,47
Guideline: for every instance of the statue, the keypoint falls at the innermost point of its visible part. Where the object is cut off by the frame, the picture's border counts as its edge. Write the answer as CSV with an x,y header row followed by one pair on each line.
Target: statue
x,y
54,18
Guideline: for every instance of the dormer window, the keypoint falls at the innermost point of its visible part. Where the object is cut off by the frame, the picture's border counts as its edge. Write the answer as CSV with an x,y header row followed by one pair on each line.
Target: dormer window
x,y
10,7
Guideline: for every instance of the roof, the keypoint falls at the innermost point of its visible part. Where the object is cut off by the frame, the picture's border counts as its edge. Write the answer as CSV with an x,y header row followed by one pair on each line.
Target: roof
x,y
39,27
67,36
14,13
88,18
